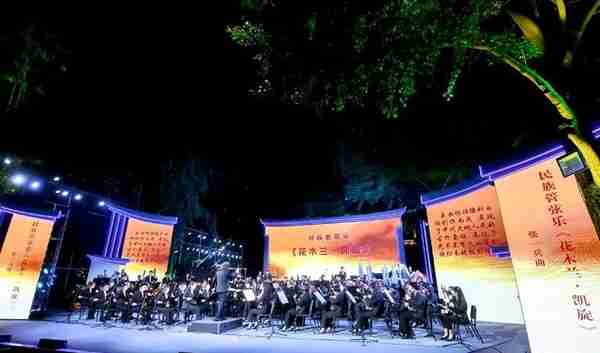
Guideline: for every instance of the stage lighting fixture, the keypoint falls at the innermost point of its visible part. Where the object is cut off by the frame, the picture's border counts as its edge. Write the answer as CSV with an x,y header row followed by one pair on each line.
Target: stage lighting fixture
x,y
18,179
189,233
78,197
65,193
204,237
7,161
241,246
35,185
57,191
56,179
101,203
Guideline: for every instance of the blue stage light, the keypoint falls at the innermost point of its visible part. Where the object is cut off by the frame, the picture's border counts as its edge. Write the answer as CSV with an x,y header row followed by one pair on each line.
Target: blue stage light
x,y
56,179
7,161
18,179
35,185
58,191
101,203
65,193
78,197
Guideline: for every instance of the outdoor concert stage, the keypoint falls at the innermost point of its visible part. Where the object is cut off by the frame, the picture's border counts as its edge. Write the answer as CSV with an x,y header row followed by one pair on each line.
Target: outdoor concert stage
x,y
92,336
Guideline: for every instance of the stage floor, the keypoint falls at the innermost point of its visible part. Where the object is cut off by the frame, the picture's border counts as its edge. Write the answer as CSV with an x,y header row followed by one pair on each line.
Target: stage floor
x,y
129,338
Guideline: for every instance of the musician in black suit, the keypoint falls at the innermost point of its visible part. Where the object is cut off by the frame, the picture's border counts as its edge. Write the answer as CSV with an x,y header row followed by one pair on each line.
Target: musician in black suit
x,y
122,304
86,295
101,300
263,302
192,300
365,310
454,309
165,302
328,318
223,276
138,303
302,303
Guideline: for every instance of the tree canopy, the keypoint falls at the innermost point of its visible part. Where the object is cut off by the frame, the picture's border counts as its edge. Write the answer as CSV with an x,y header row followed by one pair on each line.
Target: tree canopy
x,y
377,53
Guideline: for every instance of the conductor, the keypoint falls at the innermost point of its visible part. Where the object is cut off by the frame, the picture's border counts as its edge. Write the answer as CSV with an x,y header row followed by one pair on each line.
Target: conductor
x,y
222,276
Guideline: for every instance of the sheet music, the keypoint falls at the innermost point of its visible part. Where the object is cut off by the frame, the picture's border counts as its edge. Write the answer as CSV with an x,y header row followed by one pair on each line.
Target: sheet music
x,y
320,297
389,296
249,295
352,299
282,298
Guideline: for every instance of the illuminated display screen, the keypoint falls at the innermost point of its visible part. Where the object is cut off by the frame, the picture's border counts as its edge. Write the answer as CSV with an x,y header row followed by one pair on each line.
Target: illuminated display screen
x,y
556,257
319,249
147,246
21,261
571,164
470,251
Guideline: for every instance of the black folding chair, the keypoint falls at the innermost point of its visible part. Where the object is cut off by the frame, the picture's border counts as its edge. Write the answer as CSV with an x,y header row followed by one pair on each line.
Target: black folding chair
x,y
473,323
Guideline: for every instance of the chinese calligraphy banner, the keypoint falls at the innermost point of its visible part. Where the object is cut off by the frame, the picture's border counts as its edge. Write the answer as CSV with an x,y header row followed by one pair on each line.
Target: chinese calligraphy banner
x,y
470,251
21,261
147,245
556,257
321,249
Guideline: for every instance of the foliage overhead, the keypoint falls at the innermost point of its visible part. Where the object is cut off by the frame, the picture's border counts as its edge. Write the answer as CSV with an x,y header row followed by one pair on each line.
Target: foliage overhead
x,y
379,54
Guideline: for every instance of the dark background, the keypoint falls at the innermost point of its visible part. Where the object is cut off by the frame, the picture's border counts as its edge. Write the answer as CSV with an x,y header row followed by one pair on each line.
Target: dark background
x,y
150,83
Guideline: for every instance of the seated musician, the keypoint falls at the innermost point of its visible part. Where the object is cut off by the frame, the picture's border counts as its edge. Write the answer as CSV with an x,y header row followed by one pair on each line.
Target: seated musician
x,y
250,284
194,302
122,301
454,310
409,311
138,304
93,299
178,291
86,295
365,309
329,317
263,302
302,304
165,303
350,292
102,300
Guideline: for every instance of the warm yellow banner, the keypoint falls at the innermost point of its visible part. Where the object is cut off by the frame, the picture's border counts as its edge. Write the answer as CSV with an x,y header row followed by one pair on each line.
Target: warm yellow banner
x,y
319,249
21,260
556,256
147,246
470,251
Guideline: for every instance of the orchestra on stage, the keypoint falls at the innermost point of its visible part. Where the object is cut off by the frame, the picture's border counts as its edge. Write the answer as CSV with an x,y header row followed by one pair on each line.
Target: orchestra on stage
x,y
291,304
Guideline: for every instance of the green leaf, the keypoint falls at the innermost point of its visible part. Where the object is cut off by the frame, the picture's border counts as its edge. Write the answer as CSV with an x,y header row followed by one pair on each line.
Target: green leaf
x,y
8,77
562,11
530,29
312,24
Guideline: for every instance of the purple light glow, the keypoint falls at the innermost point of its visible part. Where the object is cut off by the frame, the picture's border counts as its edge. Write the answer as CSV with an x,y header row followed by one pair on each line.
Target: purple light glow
x,y
51,217
507,169
142,216
109,234
458,193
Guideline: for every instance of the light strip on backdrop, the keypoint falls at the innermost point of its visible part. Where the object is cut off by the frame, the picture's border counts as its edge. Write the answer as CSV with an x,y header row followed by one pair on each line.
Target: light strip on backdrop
x,y
469,250
556,256
21,261
321,246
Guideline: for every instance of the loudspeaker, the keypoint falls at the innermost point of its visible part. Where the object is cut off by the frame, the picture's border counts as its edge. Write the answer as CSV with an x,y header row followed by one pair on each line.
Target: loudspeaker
x,y
52,343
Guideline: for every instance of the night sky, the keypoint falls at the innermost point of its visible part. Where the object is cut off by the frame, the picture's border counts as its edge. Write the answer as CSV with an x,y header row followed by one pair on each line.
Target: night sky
x,y
149,83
